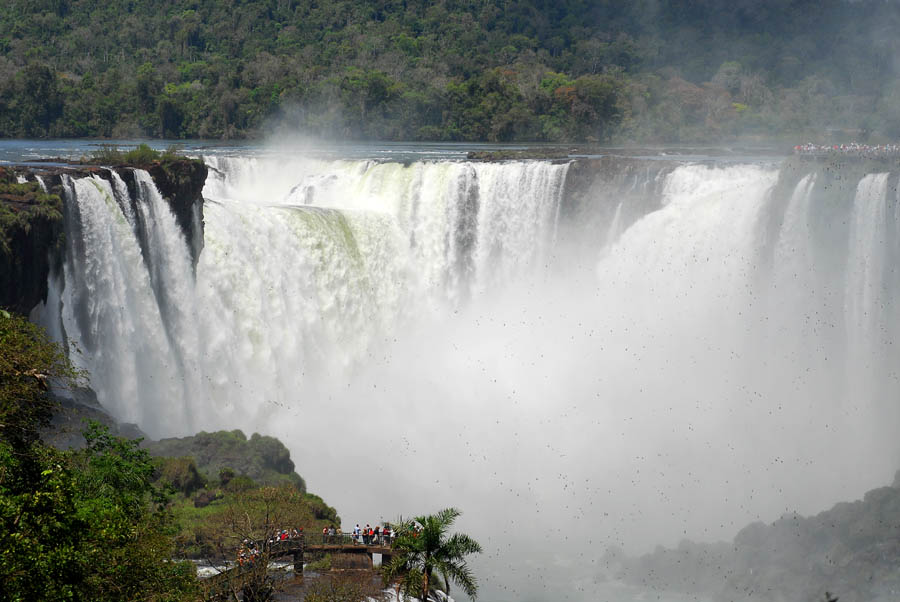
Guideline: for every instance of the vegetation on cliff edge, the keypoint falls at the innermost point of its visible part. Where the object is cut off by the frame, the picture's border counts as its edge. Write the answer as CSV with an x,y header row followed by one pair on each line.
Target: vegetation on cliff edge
x,y
263,459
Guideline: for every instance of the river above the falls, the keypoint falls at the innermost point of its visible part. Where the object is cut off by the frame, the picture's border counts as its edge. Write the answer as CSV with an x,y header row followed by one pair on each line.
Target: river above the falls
x,y
23,151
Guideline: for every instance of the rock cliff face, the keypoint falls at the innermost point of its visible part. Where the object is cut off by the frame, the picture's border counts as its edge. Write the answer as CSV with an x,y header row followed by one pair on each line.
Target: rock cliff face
x,y
31,237
181,184
604,196
32,225
72,410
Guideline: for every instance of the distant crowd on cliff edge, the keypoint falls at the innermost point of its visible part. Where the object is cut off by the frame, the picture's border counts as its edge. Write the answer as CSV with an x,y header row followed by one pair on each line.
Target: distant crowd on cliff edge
x,y
852,148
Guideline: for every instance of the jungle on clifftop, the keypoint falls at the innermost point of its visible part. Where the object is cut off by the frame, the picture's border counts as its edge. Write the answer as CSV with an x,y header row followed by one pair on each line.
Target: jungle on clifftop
x,y
487,70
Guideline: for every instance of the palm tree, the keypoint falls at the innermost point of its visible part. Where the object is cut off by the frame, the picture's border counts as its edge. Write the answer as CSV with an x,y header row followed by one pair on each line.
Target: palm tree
x,y
422,548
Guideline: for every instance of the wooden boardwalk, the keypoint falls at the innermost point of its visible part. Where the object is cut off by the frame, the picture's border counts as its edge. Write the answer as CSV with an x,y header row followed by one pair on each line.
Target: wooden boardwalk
x,y
226,584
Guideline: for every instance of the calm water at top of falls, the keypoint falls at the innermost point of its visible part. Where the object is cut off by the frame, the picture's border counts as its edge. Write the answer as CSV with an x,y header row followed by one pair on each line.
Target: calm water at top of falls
x,y
18,151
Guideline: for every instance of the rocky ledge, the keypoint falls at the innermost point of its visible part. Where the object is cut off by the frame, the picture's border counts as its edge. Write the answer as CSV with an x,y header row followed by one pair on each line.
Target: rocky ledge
x,y
32,218
528,154
31,238
181,184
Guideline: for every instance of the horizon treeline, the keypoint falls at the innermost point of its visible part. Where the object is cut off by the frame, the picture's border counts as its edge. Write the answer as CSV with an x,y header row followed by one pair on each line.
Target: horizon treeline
x,y
462,70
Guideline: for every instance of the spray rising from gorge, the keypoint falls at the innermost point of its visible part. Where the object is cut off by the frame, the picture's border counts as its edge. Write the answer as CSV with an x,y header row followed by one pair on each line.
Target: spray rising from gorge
x,y
670,351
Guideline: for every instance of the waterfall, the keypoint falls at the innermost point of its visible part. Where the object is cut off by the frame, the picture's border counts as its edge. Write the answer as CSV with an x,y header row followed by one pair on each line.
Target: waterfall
x,y
303,278
614,226
869,334
111,302
544,353
865,293
797,278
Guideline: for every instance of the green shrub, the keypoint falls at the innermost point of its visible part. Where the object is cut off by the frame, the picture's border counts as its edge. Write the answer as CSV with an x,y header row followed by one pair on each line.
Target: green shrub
x,y
142,155
179,473
108,154
225,475
239,483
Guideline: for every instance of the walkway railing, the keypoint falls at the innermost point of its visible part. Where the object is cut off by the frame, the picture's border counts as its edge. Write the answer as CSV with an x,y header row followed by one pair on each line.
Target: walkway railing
x,y
346,539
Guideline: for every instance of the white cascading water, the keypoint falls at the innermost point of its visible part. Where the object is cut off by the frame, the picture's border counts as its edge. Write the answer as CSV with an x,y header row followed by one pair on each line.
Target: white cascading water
x,y
313,274
110,307
865,293
416,337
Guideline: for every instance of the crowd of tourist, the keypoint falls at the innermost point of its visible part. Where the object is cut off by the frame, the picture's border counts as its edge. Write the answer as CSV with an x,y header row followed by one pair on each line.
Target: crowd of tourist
x,y
249,552
851,148
330,534
378,535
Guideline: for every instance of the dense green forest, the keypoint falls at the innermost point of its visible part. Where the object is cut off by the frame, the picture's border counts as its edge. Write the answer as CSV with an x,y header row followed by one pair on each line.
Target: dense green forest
x,y
493,70
79,525
105,521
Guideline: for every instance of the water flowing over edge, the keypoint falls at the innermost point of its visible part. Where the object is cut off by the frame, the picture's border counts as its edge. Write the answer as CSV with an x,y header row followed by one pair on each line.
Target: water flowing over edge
x,y
462,314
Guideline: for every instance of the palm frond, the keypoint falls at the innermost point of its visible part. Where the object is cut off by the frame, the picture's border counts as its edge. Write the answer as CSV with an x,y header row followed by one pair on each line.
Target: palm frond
x,y
461,575
423,547
460,545
448,516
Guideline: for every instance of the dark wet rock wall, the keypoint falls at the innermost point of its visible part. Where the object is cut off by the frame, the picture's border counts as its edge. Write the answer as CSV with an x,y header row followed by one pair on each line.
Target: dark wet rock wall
x,y
31,239
32,227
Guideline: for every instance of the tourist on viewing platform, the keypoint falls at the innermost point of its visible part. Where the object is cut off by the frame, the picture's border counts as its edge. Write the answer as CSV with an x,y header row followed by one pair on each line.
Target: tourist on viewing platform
x,y
386,534
366,534
356,533
377,534
324,534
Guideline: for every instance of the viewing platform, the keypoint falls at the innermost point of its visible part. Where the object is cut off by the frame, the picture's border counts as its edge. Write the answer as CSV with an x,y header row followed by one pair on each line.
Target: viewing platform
x,y
354,553
344,544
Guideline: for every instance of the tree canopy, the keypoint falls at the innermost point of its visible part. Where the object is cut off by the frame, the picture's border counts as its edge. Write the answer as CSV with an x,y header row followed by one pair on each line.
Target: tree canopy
x,y
29,361
566,70
86,525
80,525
